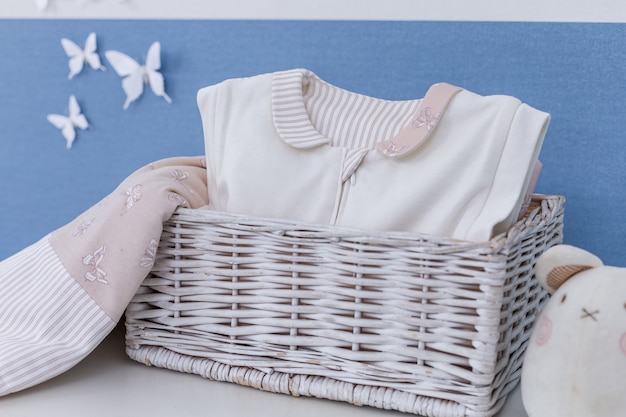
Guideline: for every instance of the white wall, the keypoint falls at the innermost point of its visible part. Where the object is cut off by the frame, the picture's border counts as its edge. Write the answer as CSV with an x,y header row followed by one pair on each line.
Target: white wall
x,y
498,10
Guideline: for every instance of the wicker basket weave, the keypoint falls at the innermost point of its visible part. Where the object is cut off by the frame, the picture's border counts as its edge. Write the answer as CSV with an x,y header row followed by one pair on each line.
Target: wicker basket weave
x,y
408,322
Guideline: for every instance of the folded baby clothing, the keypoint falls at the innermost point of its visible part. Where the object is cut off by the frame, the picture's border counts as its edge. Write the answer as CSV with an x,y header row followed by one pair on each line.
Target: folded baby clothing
x,y
61,296
290,145
282,145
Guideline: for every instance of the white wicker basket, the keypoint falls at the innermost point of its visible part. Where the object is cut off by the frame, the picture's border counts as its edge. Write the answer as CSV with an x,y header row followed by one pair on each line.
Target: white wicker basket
x,y
408,322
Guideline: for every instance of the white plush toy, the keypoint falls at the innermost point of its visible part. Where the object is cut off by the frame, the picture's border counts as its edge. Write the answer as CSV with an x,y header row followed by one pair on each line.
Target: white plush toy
x,y
575,364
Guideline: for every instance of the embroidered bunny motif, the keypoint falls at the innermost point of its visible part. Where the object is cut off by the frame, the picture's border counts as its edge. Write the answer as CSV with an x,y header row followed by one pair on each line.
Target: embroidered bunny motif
x,y
179,176
149,256
392,149
82,228
180,201
95,273
426,119
133,195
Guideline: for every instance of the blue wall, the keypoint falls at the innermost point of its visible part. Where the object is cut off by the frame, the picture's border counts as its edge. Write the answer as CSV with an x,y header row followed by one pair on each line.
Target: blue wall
x,y
576,72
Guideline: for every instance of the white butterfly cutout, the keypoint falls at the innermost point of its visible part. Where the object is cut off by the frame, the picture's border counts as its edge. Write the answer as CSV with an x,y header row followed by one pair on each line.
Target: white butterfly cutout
x,y
68,124
79,56
94,1
137,75
41,4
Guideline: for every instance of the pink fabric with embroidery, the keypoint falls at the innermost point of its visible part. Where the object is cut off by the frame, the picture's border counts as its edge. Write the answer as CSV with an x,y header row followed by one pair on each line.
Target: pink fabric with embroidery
x,y
111,247
64,294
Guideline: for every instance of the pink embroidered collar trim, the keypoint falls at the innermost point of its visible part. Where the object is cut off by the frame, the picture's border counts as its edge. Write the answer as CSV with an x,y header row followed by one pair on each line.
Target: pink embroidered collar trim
x,y
428,115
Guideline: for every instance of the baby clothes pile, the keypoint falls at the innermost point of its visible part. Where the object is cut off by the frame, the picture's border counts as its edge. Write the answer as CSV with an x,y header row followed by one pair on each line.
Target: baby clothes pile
x,y
289,145
282,145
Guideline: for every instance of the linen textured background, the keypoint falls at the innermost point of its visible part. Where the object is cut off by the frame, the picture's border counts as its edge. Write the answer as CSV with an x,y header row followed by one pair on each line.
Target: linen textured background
x,y
575,71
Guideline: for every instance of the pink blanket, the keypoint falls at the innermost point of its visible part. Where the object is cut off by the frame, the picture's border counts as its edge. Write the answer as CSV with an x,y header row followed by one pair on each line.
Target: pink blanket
x,y
64,294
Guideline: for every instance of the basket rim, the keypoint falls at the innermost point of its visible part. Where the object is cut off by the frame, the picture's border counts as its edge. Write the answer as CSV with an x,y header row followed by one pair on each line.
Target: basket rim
x,y
543,208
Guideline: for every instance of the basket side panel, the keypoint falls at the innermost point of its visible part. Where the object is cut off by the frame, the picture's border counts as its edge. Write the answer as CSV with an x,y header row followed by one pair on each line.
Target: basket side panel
x,y
408,317
523,296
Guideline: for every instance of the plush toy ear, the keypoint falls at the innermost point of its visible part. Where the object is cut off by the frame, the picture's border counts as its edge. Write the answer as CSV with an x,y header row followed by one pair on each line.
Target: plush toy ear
x,y
560,263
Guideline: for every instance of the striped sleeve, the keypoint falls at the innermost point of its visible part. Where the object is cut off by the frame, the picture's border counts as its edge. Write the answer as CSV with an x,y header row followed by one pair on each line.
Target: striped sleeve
x,y
48,322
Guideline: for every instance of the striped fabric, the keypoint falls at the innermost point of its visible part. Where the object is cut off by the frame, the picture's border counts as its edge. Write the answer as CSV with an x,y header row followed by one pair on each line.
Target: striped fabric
x,y
290,116
352,161
48,323
331,115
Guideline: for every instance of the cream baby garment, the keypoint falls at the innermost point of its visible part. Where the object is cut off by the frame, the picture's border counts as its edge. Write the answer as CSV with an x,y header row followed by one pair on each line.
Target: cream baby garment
x,y
61,296
290,145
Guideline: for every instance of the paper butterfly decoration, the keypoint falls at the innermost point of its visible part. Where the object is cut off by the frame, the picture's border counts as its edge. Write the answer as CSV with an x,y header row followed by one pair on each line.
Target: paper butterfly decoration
x,y
137,75
79,56
68,124
41,4
94,1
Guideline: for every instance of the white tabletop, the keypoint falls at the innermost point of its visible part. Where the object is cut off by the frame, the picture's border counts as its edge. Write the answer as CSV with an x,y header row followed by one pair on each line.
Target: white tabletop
x,y
109,384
